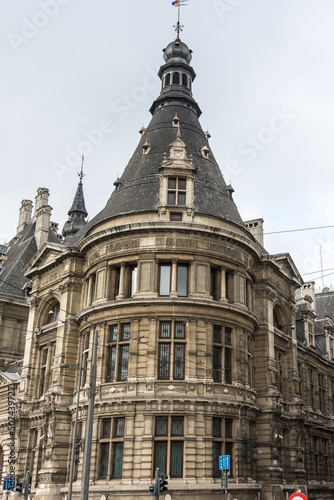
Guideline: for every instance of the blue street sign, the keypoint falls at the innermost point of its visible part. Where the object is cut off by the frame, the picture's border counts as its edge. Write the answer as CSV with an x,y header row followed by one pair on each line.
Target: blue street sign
x,y
9,483
224,462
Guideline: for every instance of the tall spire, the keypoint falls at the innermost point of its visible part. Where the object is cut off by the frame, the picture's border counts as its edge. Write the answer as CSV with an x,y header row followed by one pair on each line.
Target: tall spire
x,y
78,212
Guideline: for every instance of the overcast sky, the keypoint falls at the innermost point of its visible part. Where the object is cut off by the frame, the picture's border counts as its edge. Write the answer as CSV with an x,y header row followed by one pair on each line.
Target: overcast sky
x,y
265,84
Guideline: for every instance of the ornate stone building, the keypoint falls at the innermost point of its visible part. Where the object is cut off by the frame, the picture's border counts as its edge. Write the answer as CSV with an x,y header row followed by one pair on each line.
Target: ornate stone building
x,y
198,354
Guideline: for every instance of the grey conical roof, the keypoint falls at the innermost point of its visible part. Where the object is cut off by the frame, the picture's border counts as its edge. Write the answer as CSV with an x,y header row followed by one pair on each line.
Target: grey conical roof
x,y
138,189
78,205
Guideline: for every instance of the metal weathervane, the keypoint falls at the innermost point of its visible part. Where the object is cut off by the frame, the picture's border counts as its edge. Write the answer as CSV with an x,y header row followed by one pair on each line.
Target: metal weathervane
x,y
178,26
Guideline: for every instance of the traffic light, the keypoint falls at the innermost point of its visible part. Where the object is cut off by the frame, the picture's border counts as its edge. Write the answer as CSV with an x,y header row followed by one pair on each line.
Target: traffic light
x,y
151,489
163,483
20,487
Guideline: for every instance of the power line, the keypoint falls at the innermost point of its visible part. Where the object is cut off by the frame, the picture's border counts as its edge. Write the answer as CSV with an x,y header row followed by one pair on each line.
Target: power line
x,y
300,229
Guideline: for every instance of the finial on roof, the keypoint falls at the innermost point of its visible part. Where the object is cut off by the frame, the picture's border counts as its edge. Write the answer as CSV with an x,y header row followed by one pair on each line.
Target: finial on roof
x,y
81,174
178,26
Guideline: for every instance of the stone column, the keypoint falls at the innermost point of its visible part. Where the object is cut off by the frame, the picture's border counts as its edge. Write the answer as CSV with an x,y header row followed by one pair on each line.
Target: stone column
x,y
173,287
223,297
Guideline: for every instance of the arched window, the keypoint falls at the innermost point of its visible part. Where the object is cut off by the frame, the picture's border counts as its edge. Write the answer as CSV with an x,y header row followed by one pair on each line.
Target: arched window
x,y
167,79
50,313
176,78
53,312
184,80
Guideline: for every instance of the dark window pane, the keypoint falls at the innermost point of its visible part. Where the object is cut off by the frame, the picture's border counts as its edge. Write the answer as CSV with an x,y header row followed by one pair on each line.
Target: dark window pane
x,y
182,184
177,426
172,183
119,427
176,459
118,460
228,366
182,199
164,351
126,331
228,336
184,80
175,217
106,426
228,427
215,458
179,361
180,330
161,426
216,364
171,198
217,334
165,329
165,271
111,363
117,278
229,451
216,427
182,280
167,79
104,459
176,78
160,456
124,362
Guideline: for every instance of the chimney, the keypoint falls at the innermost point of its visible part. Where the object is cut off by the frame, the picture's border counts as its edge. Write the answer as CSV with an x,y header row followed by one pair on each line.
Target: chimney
x,y
42,217
256,228
25,214
41,199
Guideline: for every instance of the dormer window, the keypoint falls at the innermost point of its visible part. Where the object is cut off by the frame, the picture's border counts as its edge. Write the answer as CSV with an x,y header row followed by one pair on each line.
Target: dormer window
x,y
176,121
205,152
176,191
146,148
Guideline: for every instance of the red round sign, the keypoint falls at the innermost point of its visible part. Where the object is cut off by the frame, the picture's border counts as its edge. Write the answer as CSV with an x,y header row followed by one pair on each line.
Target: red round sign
x,y
297,496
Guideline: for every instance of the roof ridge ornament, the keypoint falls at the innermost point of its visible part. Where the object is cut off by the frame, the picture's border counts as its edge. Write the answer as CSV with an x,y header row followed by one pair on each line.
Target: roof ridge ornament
x,y
81,174
178,26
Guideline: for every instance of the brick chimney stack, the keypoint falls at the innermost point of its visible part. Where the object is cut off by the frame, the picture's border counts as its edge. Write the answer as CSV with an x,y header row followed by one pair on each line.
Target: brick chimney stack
x,y
25,214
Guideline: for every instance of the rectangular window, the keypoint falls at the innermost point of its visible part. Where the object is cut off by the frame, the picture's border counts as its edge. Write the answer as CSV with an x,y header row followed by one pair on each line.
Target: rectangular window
x,y
124,362
118,350
179,361
177,426
182,280
160,454
164,360
222,352
165,329
175,216
165,279
161,426
168,451
117,460
171,361
214,283
104,459
216,447
176,459
222,443
176,191
111,448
